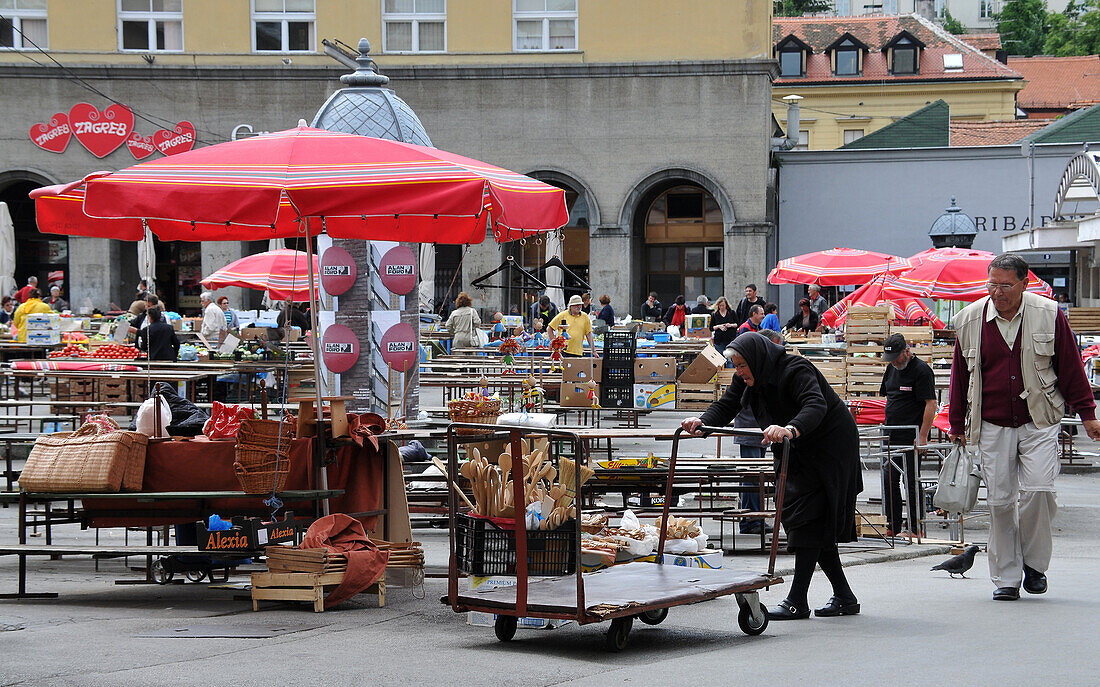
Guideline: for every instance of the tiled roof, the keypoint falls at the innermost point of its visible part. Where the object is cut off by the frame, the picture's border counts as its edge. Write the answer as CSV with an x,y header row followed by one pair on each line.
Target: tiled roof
x,y
876,31
993,133
1058,83
982,41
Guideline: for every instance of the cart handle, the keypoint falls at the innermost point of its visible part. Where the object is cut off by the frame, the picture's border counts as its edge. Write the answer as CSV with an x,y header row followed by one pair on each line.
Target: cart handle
x,y
780,483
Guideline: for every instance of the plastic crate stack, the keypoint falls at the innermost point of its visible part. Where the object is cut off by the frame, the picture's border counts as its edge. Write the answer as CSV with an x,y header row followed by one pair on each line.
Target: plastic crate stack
x,y
617,383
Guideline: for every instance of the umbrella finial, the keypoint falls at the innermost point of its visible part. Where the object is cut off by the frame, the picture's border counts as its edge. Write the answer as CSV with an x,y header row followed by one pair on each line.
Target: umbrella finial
x,y
367,73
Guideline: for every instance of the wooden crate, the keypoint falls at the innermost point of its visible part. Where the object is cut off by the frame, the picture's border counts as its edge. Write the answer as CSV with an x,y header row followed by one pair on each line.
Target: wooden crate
x,y
863,312
1083,320
870,525
300,586
695,396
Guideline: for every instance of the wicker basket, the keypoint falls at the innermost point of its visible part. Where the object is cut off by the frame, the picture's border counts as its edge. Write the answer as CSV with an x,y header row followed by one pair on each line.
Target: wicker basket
x,y
262,479
265,432
479,412
85,461
263,446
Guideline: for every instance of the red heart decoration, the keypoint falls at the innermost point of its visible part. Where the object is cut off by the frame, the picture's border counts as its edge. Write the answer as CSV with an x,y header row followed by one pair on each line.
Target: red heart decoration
x,y
140,146
53,136
179,140
101,132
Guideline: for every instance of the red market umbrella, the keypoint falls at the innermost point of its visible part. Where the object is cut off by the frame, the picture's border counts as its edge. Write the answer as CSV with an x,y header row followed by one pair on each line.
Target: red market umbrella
x,y
265,186
907,308
282,273
956,275
835,267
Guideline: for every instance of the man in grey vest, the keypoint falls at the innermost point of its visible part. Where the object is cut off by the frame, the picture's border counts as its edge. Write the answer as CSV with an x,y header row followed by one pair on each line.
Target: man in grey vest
x,y
1015,370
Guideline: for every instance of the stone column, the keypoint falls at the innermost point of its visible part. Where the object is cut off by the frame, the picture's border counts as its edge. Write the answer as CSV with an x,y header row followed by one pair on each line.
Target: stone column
x,y
611,269
746,256
94,279
481,259
218,254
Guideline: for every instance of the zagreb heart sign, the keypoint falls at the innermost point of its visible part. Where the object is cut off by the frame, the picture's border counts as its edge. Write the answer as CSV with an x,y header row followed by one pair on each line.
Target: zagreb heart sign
x,y
102,132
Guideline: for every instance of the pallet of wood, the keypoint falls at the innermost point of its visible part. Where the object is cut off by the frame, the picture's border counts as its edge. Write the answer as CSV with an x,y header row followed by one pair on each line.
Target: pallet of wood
x,y
834,369
865,332
291,559
1084,320
695,396
301,586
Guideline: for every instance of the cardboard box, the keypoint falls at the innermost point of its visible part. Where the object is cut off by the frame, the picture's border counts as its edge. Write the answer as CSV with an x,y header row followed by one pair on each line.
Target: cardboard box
x,y
249,333
652,326
581,369
489,450
479,619
575,395
44,321
512,321
708,558
705,366
655,395
697,326
654,370
43,336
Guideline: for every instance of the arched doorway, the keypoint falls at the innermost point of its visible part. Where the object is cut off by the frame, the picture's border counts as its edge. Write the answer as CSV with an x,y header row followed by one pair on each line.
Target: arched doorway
x,y
683,231
45,256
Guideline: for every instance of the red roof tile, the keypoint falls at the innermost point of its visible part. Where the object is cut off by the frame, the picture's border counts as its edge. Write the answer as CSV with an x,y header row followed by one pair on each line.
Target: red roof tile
x,y
982,41
877,31
993,133
1063,83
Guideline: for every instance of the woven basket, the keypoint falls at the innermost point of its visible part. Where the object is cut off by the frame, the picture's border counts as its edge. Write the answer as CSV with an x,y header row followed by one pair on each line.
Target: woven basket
x,y
262,479
262,445
265,432
85,461
479,412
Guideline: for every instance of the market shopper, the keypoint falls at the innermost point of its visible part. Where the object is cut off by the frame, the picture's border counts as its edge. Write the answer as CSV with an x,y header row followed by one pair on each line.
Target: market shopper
x,y
55,301
24,293
462,322
577,327
790,398
543,310
297,318
817,302
909,386
213,319
7,309
750,299
756,316
607,313
158,339
651,309
1016,369
702,305
771,318
231,321
723,327
676,314
32,306
586,303
750,447
805,319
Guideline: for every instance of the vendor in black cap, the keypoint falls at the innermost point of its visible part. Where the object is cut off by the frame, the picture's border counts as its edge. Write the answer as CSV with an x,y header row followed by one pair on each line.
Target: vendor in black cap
x,y
909,386
791,400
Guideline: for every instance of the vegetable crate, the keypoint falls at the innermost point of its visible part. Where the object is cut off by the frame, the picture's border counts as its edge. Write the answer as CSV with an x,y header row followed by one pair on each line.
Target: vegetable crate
x,y
295,586
484,549
695,396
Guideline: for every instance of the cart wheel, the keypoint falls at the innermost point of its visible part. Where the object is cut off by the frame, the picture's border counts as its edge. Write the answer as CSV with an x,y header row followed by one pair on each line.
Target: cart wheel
x,y
160,574
618,633
195,575
746,622
505,627
654,617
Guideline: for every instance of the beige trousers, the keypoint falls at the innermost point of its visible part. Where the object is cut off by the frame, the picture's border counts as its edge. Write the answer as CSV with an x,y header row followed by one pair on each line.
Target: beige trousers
x,y
1018,467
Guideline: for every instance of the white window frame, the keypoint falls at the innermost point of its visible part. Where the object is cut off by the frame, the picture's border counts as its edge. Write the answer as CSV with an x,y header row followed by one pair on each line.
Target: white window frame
x,y
708,252
986,9
852,138
546,16
803,140
413,18
150,18
284,18
17,16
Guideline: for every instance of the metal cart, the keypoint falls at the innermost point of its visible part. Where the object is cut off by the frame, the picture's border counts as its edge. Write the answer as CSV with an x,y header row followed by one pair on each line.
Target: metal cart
x,y
618,593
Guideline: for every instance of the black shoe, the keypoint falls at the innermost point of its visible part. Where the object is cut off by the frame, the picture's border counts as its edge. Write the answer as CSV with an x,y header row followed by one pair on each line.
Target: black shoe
x,y
1006,594
1035,582
750,528
837,607
785,610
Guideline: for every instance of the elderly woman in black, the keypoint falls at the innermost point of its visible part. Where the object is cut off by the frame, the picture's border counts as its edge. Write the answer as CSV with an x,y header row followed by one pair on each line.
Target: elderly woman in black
x,y
791,400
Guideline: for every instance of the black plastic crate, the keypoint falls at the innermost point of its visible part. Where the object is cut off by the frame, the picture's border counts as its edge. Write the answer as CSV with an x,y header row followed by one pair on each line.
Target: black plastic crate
x,y
617,376
613,396
482,548
619,344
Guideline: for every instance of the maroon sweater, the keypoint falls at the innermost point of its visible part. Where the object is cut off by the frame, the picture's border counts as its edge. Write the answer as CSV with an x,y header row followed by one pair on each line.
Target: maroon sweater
x,y
1002,381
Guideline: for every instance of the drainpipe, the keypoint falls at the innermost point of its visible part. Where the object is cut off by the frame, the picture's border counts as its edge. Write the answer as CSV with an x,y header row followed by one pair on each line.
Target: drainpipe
x,y
793,114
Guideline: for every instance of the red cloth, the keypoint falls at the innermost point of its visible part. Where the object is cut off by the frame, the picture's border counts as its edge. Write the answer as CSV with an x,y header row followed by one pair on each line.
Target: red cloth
x,y
868,411
72,365
341,533
679,315
204,465
24,293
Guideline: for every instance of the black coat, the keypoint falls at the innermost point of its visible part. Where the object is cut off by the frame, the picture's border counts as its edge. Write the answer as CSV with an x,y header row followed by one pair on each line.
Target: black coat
x,y
159,341
723,337
824,474
796,321
745,306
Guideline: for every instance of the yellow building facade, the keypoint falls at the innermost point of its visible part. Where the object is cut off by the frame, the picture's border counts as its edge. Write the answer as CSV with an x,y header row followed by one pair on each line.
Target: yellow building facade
x,y
226,32
837,109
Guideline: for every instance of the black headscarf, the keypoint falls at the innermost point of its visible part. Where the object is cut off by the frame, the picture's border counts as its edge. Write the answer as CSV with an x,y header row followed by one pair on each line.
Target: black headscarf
x,y
762,357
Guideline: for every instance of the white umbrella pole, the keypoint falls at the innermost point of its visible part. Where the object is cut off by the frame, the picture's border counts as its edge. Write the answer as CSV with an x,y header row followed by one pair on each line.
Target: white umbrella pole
x,y
314,343
7,252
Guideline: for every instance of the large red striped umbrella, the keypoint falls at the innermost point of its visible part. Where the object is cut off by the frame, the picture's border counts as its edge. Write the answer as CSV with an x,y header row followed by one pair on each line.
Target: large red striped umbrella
x,y
907,308
835,267
266,186
283,273
956,275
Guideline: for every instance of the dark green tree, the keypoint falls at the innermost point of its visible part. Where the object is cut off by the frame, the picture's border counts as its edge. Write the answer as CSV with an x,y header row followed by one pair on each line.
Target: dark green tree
x,y
1022,25
796,8
951,24
1075,31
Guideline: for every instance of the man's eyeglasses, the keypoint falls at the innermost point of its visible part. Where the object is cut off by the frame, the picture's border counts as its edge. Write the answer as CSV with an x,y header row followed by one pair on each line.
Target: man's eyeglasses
x,y
991,286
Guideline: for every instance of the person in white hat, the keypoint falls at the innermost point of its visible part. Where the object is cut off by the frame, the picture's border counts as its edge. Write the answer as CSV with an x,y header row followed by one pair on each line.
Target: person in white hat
x,y
577,326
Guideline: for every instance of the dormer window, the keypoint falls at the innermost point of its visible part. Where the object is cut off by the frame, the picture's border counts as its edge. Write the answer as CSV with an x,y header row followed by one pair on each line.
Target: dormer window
x,y
792,53
847,55
903,53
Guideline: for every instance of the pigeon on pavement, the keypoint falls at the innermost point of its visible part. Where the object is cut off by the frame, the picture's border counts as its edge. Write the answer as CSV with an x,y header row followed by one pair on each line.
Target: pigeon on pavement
x,y
957,565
